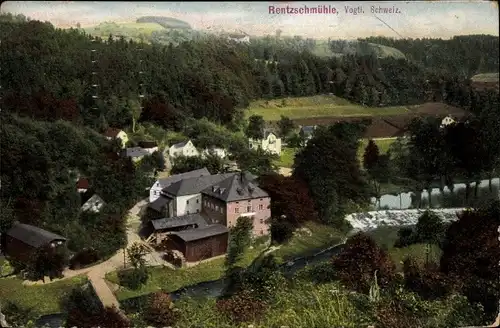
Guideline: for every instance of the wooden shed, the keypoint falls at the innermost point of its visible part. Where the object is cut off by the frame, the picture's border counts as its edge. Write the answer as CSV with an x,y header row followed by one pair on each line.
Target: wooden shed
x,y
202,243
22,240
161,228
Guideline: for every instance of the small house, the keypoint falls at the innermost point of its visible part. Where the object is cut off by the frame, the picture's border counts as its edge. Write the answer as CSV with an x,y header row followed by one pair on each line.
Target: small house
x,y
22,240
82,185
270,142
185,148
113,133
447,121
161,228
148,146
136,153
93,204
306,132
202,243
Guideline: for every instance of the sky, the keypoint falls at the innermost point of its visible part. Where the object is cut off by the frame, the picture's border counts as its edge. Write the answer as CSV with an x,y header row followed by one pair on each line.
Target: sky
x,y
437,19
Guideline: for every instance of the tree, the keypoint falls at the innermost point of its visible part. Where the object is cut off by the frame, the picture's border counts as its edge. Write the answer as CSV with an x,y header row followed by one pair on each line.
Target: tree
x,y
212,162
47,261
289,198
255,128
475,264
160,310
240,238
371,155
330,167
135,109
429,228
356,265
256,161
136,253
286,126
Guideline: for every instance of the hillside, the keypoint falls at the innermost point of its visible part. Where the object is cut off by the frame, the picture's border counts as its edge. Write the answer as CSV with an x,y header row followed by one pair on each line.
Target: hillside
x,y
166,22
134,31
340,48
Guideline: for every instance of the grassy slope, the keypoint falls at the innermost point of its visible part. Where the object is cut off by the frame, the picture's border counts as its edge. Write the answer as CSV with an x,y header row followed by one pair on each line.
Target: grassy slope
x,y
43,299
486,77
316,106
131,29
288,154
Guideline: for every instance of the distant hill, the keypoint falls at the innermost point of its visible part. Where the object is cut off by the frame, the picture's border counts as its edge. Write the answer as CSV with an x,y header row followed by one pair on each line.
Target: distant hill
x,y
166,22
134,31
341,48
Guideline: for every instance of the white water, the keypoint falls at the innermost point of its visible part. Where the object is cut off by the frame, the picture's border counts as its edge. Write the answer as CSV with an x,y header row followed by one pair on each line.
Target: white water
x,y
403,201
374,219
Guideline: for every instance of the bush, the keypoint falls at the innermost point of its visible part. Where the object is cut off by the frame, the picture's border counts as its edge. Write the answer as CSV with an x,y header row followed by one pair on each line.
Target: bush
x,y
429,228
133,278
264,278
160,310
358,261
281,231
241,307
84,258
406,237
427,282
17,315
321,273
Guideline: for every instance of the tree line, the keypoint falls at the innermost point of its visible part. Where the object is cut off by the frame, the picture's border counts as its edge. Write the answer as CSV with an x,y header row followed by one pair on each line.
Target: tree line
x,y
53,74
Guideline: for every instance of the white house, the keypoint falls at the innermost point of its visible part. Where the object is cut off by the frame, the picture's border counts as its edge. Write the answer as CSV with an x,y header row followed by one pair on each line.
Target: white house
x,y
447,121
94,204
270,143
112,133
185,148
220,152
160,184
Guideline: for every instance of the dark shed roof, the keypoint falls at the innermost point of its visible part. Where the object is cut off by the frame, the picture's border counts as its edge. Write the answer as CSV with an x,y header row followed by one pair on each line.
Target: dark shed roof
x,y
159,203
147,144
197,234
32,235
179,221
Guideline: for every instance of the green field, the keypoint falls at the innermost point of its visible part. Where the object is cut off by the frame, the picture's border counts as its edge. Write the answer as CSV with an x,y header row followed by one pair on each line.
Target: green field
x,y
288,154
129,30
316,106
42,299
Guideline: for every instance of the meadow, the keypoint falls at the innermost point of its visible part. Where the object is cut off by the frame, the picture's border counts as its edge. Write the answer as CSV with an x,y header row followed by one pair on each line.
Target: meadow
x,y
317,106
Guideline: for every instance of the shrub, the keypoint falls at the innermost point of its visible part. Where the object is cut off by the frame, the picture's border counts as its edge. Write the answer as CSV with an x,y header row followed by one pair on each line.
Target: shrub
x,y
133,278
358,261
110,317
321,273
160,310
428,282
281,230
17,315
406,237
241,307
84,258
429,228
264,278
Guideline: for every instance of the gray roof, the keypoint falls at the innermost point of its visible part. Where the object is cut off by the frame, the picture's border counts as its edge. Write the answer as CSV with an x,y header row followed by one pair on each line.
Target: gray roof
x,y
309,129
179,221
159,203
195,185
165,182
136,152
200,233
180,144
32,235
235,188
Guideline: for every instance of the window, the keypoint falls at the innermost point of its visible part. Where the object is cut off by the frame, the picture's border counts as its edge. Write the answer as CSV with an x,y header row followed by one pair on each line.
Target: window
x,y
197,211
261,207
262,232
221,209
187,212
261,221
187,202
216,207
249,209
237,210
197,201
249,201
237,202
